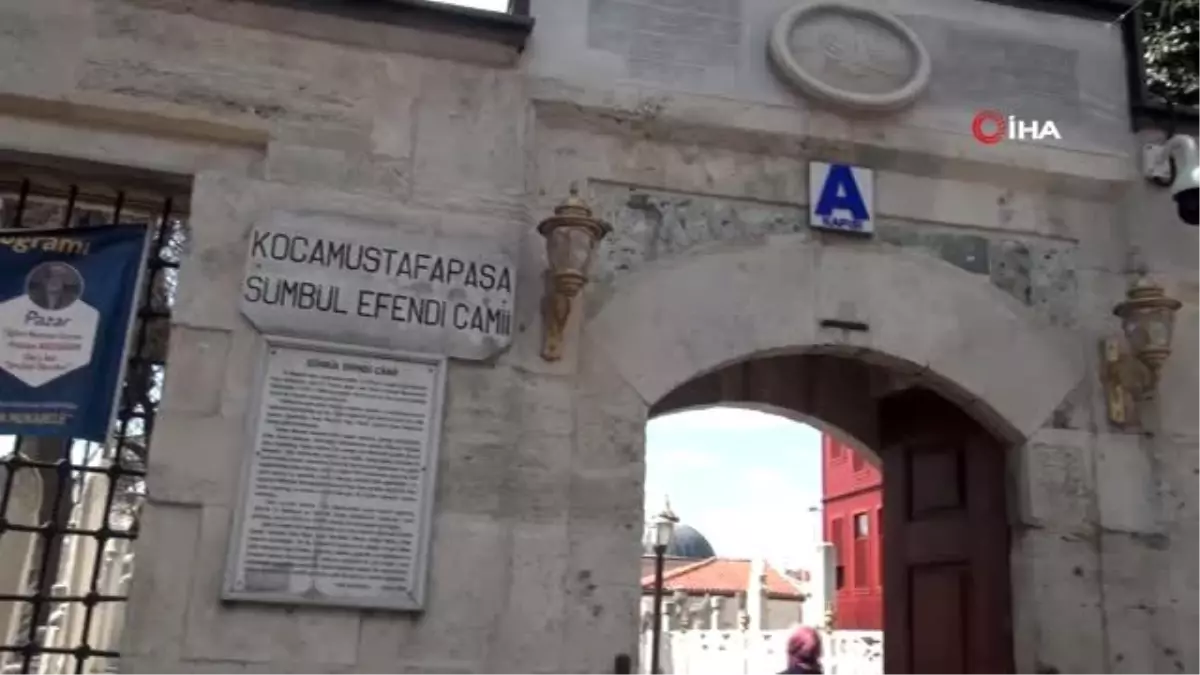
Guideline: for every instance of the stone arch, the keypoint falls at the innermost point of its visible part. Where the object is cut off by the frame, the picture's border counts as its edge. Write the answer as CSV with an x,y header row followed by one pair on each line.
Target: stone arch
x,y
926,320
930,327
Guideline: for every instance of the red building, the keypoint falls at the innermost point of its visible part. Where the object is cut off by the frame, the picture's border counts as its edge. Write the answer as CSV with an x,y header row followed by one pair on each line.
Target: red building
x,y
852,496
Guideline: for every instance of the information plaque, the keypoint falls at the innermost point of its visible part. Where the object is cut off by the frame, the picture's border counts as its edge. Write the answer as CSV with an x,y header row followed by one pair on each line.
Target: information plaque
x,y
337,495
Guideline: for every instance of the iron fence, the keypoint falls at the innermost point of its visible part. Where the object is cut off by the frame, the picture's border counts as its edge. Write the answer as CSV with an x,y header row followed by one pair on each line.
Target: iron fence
x,y
69,509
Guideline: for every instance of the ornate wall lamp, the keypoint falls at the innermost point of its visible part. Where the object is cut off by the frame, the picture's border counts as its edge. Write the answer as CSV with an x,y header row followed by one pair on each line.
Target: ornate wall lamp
x,y
571,237
1131,370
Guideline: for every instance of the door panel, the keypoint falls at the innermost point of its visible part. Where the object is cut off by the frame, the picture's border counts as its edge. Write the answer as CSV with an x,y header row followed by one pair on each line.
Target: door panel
x,y
946,540
939,635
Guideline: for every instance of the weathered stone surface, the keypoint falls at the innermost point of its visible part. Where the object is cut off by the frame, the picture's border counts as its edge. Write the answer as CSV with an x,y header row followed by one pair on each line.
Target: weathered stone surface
x,y
44,43
353,171
1129,562
480,406
457,106
537,480
662,41
1059,625
601,592
255,634
197,380
1047,73
197,460
654,225
167,549
1126,489
610,418
1055,478
245,349
1181,377
695,323
967,251
463,602
534,605
139,664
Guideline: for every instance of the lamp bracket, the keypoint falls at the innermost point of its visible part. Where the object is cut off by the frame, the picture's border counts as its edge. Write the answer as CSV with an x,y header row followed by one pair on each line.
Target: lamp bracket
x,y
1127,381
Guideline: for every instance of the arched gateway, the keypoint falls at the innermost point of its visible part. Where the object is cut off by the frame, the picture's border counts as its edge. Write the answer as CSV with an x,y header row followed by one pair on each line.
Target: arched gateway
x,y
920,362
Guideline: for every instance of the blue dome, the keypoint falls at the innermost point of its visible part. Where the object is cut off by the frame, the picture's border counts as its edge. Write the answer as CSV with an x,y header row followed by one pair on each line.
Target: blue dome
x,y
687,543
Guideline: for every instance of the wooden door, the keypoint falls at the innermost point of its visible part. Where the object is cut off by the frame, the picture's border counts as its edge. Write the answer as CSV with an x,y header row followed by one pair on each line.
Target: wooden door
x,y
946,540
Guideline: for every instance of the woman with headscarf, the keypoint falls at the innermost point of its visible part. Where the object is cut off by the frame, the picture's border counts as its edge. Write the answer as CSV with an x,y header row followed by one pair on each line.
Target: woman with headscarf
x,y
803,652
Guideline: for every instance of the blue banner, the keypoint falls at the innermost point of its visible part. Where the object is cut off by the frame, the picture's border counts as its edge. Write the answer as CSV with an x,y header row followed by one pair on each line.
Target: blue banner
x,y
66,300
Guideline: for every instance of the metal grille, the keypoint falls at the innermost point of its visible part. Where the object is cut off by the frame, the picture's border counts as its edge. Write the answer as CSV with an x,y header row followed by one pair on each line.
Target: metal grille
x,y
69,509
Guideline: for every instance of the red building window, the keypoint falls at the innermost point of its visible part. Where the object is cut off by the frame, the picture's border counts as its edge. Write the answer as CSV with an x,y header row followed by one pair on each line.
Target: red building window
x,y
835,538
856,461
862,550
835,449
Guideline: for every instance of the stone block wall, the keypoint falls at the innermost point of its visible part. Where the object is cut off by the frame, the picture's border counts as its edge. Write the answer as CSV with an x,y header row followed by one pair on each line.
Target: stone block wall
x,y
536,542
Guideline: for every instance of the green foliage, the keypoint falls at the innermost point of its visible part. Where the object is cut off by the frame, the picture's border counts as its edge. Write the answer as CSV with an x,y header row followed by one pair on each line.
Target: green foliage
x,y
1171,31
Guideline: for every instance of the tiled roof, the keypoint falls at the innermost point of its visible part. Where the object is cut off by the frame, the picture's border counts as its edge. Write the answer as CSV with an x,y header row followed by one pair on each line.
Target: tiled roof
x,y
669,563
723,576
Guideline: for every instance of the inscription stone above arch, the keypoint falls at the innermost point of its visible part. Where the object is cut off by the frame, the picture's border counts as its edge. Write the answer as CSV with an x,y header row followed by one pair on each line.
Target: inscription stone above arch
x,y
849,56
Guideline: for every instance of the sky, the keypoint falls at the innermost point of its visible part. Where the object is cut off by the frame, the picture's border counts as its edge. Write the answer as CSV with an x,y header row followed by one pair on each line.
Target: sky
x,y
744,479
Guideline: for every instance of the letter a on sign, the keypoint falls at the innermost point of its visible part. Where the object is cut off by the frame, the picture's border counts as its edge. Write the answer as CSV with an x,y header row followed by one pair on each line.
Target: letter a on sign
x,y
841,198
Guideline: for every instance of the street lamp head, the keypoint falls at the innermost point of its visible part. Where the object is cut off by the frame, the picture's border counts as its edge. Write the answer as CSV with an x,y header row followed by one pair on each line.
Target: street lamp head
x,y
664,530
571,234
1130,371
1148,321
664,526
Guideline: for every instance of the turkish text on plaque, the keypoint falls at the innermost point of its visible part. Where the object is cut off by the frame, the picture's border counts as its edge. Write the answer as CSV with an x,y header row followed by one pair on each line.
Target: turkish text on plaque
x,y
340,482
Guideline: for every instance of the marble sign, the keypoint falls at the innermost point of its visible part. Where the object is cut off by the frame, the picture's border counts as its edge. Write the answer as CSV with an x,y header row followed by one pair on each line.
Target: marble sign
x,y
337,498
850,56
359,282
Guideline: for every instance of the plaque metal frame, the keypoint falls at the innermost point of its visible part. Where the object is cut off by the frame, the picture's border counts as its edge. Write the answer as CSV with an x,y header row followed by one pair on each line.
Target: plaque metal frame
x,y
416,599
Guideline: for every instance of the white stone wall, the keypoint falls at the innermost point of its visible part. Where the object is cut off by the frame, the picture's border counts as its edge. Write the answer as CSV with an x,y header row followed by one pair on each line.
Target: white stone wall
x,y
536,541
780,612
699,652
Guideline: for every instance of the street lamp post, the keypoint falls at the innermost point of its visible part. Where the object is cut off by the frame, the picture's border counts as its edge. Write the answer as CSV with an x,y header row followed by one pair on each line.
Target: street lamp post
x,y
664,528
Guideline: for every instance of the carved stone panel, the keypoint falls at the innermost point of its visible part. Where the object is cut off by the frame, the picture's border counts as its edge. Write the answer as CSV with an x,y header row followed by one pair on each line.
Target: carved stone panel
x,y
850,56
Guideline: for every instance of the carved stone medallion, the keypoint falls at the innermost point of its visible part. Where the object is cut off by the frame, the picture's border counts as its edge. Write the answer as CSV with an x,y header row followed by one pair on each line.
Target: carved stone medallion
x,y
848,55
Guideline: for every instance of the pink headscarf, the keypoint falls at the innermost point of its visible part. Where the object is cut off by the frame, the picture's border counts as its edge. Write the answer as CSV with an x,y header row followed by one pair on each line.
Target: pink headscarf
x,y
804,651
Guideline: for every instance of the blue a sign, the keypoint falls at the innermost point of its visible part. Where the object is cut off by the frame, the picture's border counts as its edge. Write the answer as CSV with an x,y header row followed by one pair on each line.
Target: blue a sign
x,y
841,198
66,306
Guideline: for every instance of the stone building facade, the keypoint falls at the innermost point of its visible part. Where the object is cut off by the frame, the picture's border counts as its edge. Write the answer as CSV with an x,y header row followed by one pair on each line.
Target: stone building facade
x,y
992,278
